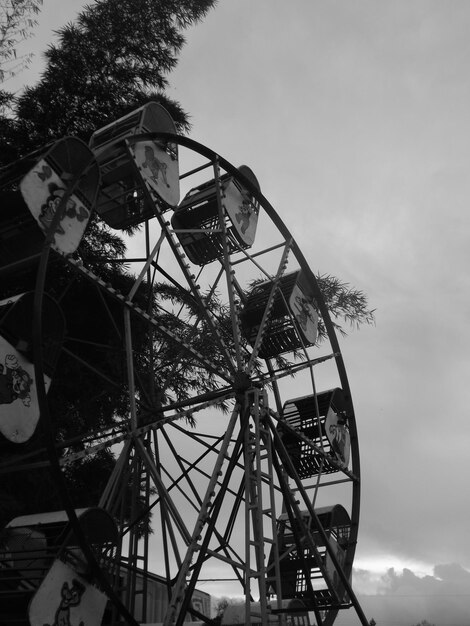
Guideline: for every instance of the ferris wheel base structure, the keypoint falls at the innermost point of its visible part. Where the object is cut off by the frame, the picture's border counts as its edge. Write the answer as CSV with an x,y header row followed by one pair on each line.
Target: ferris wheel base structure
x,y
200,363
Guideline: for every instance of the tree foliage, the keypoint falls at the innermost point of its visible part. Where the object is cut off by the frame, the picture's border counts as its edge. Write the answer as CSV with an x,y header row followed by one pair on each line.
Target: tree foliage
x,y
112,59
346,304
115,57
16,22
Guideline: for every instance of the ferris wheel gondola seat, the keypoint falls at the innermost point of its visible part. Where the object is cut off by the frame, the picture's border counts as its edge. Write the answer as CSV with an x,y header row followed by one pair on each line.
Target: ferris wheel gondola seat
x,y
128,166
32,191
197,220
323,420
292,321
19,404
31,546
315,592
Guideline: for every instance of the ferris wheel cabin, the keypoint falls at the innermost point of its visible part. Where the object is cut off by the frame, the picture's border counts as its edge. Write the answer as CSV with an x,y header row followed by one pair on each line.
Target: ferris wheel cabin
x,y
293,320
322,419
19,412
313,589
38,552
197,219
124,149
63,171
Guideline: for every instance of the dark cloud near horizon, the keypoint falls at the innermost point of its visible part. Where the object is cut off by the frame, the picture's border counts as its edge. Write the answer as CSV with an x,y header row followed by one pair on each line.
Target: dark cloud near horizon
x,y
406,599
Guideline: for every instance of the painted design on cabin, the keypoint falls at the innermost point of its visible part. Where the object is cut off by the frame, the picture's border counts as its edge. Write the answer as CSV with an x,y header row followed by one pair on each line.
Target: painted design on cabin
x,y
244,214
155,166
45,173
337,431
71,596
339,440
49,208
45,192
337,582
305,312
15,382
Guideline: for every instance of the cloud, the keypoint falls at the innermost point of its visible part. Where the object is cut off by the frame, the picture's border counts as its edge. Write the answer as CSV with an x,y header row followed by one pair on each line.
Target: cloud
x,y
444,596
406,598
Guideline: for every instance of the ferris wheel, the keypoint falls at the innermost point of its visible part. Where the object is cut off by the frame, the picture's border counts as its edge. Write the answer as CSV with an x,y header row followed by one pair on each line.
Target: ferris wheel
x,y
208,369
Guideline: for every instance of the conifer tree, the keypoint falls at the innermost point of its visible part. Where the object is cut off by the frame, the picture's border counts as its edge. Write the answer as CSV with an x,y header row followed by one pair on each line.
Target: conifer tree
x,y
17,19
114,57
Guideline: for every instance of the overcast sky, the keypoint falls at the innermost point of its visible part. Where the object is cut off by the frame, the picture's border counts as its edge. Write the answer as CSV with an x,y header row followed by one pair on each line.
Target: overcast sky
x,y
354,115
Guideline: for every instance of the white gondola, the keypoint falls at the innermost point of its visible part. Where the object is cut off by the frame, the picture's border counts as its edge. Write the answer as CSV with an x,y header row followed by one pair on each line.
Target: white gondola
x,y
292,321
42,566
197,221
63,175
19,405
126,165
296,559
321,418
